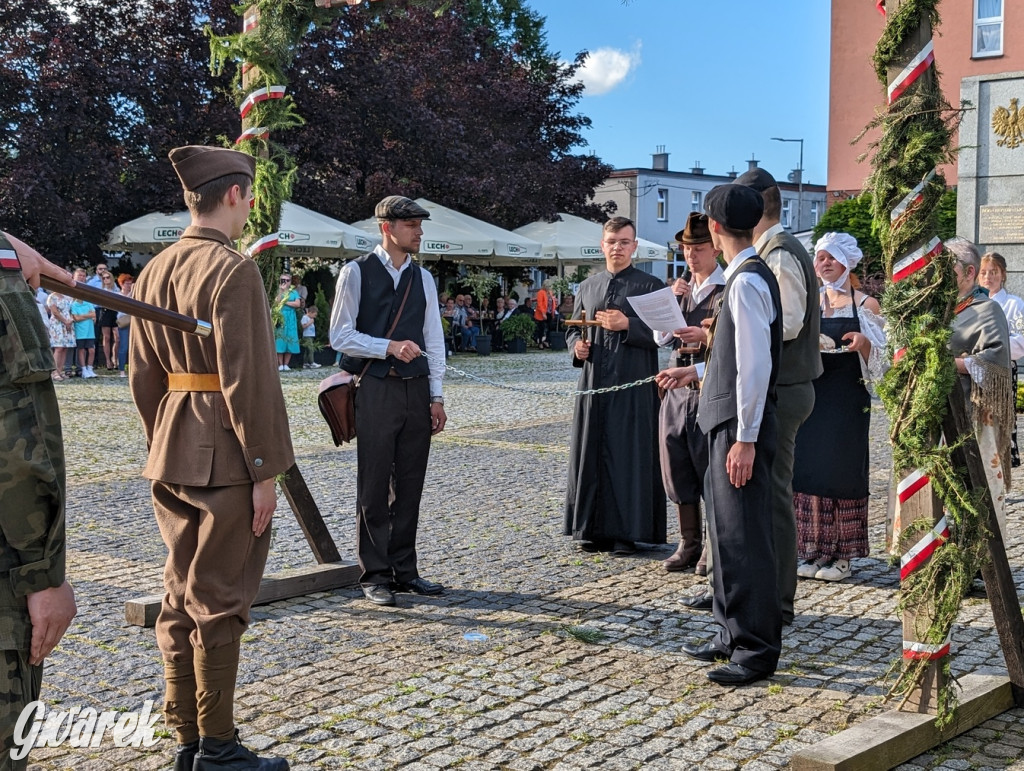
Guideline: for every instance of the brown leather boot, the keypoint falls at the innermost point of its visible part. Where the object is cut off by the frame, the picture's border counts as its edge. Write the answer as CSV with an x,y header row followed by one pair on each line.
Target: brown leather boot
x,y
688,551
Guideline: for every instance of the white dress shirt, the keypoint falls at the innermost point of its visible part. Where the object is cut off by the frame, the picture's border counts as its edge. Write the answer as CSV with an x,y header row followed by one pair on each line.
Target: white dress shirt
x,y
1013,308
699,292
750,303
345,338
792,287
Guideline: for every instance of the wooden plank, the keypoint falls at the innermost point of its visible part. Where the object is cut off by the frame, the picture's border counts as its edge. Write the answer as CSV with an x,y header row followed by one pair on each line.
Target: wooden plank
x,y
895,737
308,516
999,583
286,584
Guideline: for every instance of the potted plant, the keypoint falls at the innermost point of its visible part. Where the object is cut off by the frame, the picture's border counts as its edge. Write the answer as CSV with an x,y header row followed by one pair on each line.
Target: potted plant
x,y
480,283
516,330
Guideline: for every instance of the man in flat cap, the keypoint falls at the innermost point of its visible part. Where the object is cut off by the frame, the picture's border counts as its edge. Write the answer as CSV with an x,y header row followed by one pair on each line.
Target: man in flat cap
x,y
217,431
801,363
684,448
36,599
614,496
737,412
385,314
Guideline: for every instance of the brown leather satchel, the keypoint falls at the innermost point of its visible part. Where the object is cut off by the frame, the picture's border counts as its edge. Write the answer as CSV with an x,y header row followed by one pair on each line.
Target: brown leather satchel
x,y
337,397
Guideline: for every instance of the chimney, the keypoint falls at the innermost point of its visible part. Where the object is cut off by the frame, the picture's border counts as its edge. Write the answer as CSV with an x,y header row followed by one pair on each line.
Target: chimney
x,y
659,160
752,163
697,169
732,173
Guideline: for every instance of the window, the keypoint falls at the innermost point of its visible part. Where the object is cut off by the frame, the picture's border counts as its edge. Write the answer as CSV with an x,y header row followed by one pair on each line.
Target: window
x,y
695,200
988,28
814,214
786,221
662,204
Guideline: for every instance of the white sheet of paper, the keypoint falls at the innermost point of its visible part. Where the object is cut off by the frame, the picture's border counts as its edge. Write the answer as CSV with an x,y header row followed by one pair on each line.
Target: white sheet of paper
x,y
659,310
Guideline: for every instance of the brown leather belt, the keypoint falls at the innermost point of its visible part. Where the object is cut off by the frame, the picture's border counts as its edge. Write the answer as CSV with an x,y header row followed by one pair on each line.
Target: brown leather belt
x,y
189,381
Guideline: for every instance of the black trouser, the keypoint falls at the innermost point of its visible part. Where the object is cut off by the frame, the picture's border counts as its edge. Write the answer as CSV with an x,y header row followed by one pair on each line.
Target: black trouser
x,y
392,446
1014,452
746,603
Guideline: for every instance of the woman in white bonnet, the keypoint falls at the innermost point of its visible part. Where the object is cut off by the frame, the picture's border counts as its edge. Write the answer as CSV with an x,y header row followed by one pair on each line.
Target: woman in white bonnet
x,y
830,478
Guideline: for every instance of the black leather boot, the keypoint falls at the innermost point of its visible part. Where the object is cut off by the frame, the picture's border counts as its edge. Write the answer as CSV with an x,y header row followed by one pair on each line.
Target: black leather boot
x,y
230,755
185,756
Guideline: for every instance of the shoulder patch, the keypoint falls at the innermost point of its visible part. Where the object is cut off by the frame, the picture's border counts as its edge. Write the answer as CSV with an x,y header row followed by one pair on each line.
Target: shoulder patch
x,y
9,260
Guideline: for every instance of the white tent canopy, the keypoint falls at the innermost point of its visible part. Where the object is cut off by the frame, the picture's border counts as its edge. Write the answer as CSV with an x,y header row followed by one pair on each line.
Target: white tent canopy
x,y
304,233
575,240
449,233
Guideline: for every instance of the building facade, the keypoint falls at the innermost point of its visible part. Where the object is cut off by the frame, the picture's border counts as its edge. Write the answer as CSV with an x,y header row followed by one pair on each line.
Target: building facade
x,y
659,200
976,38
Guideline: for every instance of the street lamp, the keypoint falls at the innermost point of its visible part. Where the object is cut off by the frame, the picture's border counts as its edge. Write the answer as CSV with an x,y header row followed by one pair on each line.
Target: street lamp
x,y
800,188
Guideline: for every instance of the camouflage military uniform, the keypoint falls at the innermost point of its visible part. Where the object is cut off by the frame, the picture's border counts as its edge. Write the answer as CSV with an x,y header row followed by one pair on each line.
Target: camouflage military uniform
x,y
32,548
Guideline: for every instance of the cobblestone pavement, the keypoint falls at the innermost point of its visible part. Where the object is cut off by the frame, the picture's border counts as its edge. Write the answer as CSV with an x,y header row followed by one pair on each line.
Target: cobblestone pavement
x,y
579,664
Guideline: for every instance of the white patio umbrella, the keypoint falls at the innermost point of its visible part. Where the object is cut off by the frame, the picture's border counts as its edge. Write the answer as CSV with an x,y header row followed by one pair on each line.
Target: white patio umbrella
x,y
452,234
574,240
304,233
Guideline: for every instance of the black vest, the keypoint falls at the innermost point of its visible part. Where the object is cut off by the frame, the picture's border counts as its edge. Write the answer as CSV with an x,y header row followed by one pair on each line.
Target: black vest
x,y
378,303
718,391
694,315
801,356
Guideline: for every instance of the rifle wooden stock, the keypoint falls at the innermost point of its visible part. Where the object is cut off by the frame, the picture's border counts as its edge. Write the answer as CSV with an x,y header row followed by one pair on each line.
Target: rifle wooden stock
x,y
132,307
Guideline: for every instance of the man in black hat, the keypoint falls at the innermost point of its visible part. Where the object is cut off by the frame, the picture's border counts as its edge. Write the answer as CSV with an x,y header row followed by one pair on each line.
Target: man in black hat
x,y
399,403
737,412
217,430
801,363
684,448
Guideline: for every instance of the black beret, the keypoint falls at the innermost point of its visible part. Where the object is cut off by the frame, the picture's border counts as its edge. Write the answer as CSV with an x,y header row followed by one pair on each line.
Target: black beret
x,y
696,230
736,206
196,165
758,179
398,207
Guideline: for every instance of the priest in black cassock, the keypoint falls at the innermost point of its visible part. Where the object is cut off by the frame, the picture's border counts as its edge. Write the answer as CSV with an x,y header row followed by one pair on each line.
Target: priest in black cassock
x,y
614,496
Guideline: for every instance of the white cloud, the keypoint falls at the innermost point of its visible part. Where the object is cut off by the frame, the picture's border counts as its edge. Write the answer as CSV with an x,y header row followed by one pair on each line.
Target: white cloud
x,y
606,68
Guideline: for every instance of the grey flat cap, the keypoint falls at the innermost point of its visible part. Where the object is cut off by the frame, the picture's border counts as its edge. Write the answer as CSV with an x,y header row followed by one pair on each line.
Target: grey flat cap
x,y
398,207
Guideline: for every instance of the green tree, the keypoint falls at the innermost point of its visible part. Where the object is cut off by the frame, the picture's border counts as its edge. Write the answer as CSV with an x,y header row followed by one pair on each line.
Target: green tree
x,y
946,212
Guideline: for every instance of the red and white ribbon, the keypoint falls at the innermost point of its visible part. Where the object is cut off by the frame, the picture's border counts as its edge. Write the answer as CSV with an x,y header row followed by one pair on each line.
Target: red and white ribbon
x,y
251,20
916,260
913,196
911,484
928,651
923,549
267,242
261,95
899,355
255,132
880,5
912,71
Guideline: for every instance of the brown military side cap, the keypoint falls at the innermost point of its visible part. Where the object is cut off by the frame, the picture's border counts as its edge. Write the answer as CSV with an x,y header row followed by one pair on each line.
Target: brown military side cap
x,y
696,230
758,179
196,165
738,207
398,207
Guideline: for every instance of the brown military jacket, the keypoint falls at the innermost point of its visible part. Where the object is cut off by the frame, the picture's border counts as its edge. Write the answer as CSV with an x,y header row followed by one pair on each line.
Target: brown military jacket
x,y
209,439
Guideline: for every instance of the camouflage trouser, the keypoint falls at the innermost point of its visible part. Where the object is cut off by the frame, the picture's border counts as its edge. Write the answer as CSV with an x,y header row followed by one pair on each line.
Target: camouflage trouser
x,y
19,685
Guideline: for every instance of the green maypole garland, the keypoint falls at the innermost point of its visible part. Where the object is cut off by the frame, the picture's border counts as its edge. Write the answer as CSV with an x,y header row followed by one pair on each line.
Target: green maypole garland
x,y
916,139
271,46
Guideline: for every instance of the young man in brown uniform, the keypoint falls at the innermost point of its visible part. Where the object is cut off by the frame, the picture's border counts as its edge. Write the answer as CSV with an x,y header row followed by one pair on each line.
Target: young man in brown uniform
x,y
218,434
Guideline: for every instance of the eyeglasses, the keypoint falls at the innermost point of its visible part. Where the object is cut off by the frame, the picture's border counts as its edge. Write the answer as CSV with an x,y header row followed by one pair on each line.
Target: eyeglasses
x,y
625,243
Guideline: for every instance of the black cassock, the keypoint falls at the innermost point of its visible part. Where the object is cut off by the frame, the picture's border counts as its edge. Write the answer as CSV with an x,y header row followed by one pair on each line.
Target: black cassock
x,y
614,486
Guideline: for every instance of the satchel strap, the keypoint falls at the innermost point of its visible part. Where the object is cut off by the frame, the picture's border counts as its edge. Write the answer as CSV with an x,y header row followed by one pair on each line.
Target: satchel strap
x,y
394,323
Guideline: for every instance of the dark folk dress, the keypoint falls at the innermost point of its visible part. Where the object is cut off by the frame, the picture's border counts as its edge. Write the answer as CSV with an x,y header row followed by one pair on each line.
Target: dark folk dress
x,y
830,473
614,490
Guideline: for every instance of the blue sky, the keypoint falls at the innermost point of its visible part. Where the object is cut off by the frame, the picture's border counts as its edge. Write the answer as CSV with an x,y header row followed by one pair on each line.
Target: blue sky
x,y
711,81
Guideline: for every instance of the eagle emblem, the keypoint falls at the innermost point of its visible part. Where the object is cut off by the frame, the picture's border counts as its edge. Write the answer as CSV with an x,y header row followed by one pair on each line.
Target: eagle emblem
x,y
1009,124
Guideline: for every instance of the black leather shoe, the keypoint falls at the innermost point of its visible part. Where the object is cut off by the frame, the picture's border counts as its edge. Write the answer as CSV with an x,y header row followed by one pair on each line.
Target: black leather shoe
x,y
417,586
703,652
230,755
736,674
378,594
698,601
623,549
185,756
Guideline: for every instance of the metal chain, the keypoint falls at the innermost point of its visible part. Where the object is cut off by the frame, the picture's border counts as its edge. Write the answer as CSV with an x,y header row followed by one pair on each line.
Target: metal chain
x,y
572,392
